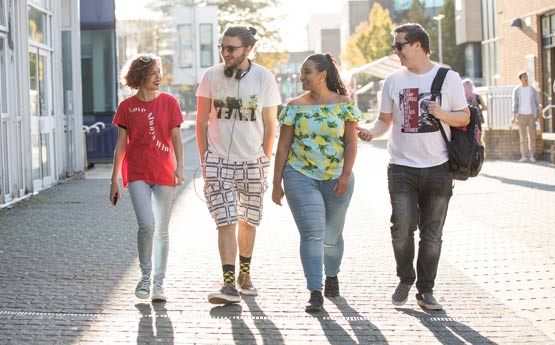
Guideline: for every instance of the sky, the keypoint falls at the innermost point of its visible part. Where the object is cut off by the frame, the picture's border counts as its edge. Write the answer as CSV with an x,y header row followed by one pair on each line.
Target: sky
x,y
293,30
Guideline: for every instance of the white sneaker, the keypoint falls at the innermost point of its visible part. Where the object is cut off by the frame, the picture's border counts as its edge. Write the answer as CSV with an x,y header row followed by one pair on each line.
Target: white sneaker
x,y
158,294
532,159
522,159
142,290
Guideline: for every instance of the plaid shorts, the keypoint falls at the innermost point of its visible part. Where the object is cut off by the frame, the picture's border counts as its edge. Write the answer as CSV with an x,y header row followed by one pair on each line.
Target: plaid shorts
x,y
235,190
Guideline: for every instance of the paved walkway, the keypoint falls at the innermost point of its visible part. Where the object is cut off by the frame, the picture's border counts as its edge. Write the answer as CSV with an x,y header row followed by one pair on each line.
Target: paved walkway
x,y
68,267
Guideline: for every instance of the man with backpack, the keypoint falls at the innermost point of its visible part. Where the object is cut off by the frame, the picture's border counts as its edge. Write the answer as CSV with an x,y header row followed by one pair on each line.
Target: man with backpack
x,y
419,178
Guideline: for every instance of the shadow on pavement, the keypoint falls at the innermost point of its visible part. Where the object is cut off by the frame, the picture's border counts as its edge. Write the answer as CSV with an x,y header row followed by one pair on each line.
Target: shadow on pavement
x,y
233,312
522,183
268,330
447,331
161,321
364,330
334,332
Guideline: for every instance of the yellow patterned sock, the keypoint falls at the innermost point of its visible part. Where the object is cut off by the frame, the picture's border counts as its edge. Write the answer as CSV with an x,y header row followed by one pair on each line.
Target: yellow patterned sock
x,y
229,274
244,265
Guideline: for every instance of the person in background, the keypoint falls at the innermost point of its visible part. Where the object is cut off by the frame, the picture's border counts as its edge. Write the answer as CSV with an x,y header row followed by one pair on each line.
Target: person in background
x,y
472,98
526,109
236,123
315,156
419,181
149,155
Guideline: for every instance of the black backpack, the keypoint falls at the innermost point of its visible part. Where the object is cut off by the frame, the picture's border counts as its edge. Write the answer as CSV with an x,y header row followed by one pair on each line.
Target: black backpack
x,y
466,152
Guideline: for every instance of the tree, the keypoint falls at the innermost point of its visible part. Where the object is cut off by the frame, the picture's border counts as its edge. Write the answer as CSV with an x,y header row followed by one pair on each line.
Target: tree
x,y
272,60
371,39
453,54
417,14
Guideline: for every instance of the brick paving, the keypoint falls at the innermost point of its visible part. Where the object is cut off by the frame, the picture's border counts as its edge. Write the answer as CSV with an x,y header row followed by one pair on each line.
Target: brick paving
x,y
69,266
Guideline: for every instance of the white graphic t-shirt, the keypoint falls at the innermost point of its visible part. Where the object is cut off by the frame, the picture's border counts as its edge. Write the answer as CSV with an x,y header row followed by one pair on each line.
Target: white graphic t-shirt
x,y
415,139
236,129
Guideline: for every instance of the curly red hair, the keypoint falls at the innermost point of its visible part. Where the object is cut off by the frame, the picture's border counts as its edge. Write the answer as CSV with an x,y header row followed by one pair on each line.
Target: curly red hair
x,y
136,70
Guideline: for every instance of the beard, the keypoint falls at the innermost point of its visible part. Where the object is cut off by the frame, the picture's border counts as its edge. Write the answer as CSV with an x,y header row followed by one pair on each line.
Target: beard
x,y
238,63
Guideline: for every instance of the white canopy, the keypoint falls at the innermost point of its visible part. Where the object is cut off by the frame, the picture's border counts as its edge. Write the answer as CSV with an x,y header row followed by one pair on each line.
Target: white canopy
x,y
378,68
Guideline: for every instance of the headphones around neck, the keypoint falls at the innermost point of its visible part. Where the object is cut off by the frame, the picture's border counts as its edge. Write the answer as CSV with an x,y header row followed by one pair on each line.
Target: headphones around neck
x,y
228,72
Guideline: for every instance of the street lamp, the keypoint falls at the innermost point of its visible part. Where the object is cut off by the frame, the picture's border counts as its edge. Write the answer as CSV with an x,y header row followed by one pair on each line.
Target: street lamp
x,y
439,17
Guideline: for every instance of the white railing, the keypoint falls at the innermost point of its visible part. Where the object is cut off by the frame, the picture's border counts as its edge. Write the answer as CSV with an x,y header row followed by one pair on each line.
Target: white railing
x,y
500,105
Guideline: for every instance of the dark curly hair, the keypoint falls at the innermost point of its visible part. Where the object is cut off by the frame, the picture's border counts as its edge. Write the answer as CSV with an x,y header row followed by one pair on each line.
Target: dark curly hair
x,y
326,62
136,70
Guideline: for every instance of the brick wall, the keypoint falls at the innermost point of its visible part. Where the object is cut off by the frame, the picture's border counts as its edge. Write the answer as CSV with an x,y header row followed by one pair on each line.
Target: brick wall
x,y
515,43
504,143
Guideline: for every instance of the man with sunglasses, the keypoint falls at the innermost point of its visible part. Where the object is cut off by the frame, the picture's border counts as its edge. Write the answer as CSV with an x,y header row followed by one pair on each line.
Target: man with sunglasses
x,y
236,124
419,181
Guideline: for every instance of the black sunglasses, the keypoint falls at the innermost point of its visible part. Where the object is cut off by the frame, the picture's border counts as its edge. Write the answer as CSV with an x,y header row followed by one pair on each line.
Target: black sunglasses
x,y
230,49
145,58
399,45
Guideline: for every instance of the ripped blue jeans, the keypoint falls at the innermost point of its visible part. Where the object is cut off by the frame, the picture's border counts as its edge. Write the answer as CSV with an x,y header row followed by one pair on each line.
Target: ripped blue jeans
x,y
320,217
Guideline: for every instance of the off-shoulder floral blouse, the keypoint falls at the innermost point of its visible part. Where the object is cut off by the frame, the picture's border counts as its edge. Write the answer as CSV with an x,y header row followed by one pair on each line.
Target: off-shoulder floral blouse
x,y
318,143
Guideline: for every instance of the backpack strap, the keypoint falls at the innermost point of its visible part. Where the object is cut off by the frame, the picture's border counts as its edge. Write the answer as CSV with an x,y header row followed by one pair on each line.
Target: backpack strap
x,y
436,90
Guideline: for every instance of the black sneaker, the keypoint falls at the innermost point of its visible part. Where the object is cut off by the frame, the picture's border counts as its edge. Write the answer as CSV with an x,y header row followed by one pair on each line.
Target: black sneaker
x,y
315,302
427,301
331,287
401,294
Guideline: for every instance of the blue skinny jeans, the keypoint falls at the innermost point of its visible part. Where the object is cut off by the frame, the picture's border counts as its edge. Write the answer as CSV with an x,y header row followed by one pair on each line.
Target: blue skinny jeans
x,y
152,204
320,217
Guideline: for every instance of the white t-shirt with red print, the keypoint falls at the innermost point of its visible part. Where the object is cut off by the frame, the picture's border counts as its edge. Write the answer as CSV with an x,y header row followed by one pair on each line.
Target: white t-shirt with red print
x,y
150,154
236,129
415,139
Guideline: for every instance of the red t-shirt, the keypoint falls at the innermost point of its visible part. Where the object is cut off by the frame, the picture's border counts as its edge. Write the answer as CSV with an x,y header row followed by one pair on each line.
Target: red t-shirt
x,y
150,154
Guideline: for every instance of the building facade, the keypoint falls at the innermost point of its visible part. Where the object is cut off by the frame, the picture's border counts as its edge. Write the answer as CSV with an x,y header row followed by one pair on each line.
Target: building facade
x,y
41,139
520,36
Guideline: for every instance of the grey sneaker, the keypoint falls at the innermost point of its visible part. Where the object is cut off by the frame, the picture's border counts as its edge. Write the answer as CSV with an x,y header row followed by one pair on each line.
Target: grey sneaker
x,y
401,294
228,294
532,159
522,159
245,285
158,294
427,301
142,290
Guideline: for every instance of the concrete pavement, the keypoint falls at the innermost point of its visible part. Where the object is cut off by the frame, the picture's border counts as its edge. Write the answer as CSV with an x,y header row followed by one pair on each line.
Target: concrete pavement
x,y
69,266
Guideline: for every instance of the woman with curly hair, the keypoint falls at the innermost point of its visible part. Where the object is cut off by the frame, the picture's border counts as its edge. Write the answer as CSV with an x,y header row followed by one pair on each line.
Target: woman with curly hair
x,y
149,154
315,156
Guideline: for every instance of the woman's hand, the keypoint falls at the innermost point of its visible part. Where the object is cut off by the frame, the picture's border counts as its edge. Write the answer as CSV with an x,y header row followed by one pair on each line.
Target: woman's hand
x,y
341,185
178,177
277,193
115,195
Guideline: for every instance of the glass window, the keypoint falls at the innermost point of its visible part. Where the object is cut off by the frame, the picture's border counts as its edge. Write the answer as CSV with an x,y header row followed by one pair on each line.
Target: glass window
x,y
42,3
37,84
185,40
3,81
37,26
67,73
206,45
33,84
98,71
2,12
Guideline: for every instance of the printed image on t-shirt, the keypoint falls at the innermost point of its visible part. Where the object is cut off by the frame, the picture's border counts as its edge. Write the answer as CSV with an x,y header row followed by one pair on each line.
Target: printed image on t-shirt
x,y
414,112
231,108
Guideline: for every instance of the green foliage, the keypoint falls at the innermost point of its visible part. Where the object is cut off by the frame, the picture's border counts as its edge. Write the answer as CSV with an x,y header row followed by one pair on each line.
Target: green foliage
x,y
256,13
453,54
417,14
371,39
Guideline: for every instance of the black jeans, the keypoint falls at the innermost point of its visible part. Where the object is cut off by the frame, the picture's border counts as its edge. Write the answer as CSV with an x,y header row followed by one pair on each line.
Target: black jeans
x,y
419,197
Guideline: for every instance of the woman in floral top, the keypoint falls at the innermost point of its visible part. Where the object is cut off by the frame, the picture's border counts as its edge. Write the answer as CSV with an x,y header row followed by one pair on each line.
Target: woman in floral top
x,y
315,156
